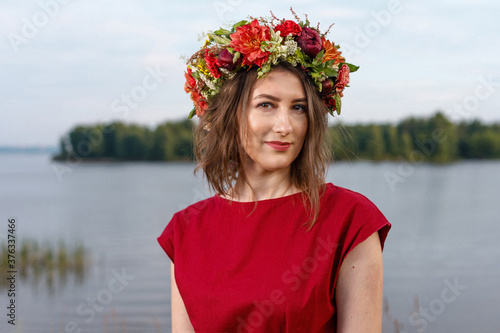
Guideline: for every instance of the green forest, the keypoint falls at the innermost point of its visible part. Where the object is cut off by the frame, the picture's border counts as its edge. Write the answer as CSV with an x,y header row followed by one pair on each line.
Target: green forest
x,y
433,139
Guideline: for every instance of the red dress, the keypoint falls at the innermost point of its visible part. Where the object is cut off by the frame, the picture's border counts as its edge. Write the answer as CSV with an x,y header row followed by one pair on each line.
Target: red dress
x,y
246,268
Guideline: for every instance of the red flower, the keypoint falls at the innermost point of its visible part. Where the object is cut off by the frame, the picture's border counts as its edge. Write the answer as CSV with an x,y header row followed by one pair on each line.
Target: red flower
x,y
309,41
247,40
330,102
210,61
190,81
288,27
342,79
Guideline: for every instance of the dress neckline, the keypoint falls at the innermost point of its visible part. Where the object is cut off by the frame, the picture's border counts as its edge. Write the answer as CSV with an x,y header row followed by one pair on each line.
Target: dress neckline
x,y
264,201
268,201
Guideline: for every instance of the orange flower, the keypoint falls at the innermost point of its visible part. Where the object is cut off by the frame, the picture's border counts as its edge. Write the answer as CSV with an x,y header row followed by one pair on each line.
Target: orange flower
x,y
201,106
199,102
331,52
247,40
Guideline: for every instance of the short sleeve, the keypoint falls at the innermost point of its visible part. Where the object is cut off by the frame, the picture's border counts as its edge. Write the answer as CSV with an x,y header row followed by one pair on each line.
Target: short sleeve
x,y
366,219
382,233
166,239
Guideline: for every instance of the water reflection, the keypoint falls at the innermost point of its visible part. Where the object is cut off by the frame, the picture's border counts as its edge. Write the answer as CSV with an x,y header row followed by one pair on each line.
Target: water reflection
x,y
45,264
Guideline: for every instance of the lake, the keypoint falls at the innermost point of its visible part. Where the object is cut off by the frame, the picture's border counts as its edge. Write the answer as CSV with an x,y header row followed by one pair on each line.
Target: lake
x,y
441,257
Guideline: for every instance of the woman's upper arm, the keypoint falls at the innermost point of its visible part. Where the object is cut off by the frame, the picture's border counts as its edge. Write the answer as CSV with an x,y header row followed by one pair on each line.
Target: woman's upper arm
x,y
359,290
180,318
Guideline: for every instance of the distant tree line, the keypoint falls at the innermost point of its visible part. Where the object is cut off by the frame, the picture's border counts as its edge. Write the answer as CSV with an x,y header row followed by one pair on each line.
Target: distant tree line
x,y
170,141
434,139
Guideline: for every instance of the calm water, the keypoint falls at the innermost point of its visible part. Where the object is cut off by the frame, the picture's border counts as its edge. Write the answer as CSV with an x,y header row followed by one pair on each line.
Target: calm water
x,y
441,256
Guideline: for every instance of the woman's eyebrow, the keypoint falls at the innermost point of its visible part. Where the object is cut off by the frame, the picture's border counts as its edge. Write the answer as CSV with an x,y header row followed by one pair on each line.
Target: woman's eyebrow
x,y
274,98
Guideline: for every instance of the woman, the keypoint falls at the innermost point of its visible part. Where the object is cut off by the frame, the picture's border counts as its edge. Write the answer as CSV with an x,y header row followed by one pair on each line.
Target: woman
x,y
276,249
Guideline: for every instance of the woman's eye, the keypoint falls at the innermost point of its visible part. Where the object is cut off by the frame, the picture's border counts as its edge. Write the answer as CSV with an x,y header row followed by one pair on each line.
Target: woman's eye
x,y
265,105
299,107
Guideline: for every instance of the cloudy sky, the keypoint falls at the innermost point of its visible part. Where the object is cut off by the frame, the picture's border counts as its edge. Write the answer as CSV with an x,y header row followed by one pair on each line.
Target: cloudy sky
x,y
69,62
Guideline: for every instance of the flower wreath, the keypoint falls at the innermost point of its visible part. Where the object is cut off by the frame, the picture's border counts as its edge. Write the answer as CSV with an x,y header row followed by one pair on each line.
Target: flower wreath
x,y
263,43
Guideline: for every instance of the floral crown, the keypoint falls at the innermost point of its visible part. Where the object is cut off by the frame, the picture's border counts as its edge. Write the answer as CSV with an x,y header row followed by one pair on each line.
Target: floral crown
x,y
263,43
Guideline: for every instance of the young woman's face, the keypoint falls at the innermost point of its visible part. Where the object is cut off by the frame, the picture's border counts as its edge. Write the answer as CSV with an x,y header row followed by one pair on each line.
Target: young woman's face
x,y
277,121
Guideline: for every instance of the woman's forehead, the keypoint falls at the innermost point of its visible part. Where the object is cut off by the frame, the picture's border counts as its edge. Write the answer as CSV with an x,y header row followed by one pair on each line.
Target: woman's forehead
x,y
279,83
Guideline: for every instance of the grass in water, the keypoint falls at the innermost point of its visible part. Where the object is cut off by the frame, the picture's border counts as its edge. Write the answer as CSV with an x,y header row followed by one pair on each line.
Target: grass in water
x,y
43,261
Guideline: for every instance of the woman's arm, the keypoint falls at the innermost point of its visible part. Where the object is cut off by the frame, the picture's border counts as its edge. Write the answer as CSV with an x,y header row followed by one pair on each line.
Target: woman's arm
x,y
180,319
359,288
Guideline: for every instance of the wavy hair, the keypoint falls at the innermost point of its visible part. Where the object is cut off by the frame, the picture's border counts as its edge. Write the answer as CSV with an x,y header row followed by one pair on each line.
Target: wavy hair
x,y
218,146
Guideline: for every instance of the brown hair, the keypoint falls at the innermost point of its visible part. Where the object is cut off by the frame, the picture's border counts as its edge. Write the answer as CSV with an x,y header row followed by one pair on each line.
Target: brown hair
x,y
218,145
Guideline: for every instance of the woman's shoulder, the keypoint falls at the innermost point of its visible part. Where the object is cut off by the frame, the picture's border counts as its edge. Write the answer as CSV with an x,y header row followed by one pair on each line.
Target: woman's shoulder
x,y
198,207
354,213
339,200
334,193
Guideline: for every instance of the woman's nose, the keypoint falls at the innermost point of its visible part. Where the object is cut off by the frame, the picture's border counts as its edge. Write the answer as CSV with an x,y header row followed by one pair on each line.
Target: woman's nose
x,y
282,123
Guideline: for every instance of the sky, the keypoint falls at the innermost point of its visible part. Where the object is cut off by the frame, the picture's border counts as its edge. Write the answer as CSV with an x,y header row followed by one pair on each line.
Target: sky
x,y
70,62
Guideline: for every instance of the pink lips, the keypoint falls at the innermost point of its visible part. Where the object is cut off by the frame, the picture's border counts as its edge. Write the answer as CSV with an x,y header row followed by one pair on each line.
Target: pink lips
x,y
278,145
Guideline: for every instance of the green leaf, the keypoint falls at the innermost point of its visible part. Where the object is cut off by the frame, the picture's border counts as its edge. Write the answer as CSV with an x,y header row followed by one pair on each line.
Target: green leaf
x,y
196,75
219,39
300,55
266,68
319,67
329,63
318,85
329,71
338,103
236,57
222,32
318,58
192,113
352,68
239,24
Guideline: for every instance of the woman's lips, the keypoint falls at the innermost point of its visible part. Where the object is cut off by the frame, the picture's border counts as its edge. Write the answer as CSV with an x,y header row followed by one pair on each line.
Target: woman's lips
x,y
278,145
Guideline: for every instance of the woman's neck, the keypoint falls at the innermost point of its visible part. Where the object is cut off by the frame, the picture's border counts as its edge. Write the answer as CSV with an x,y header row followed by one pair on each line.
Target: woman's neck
x,y
264,184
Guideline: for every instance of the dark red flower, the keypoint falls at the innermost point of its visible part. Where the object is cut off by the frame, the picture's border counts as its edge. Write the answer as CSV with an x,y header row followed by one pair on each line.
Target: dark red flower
x,y
288,27
309,41
225,60
326,87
